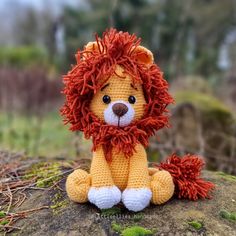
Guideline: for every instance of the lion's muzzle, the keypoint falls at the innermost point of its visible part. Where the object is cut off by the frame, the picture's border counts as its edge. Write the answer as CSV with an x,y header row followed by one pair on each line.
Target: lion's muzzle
x,y
119,113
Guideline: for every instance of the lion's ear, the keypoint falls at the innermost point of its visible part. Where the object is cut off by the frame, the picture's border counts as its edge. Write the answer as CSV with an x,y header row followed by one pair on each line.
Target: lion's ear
x,y
91,46
88,48
143,55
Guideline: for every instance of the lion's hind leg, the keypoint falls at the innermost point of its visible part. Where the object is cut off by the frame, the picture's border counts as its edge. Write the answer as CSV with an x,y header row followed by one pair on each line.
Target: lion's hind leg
x,y
77,186
162,187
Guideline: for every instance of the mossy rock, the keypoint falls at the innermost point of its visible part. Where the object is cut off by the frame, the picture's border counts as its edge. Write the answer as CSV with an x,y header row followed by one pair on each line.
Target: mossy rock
x,y
212,109
176,217
192,83
200,123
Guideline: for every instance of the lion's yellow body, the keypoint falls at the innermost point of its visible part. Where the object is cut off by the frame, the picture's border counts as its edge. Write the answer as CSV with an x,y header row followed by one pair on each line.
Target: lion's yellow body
x,y
123,173
119,167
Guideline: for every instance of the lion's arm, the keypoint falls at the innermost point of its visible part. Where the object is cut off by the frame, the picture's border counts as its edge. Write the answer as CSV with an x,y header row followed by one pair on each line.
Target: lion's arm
x,y
138,170
100,171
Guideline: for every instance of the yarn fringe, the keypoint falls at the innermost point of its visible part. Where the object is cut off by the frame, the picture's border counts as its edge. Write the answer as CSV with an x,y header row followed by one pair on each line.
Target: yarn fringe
x,y
186,173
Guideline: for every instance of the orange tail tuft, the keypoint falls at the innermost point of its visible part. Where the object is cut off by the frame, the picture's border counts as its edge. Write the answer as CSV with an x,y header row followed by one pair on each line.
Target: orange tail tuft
x,y
186,176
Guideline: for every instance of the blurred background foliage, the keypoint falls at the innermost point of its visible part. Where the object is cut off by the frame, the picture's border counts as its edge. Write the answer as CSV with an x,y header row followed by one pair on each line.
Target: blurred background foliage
x,y
194,42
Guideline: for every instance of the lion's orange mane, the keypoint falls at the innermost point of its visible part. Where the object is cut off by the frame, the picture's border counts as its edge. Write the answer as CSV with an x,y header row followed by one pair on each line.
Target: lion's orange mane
x,y
92,70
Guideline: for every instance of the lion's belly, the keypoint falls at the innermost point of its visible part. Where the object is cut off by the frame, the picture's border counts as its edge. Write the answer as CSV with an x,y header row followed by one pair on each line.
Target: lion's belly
x,y
120,170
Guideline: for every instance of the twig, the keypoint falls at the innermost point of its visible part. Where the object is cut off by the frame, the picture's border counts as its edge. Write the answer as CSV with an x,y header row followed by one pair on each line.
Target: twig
x,y
9,226
56,185
29,211
22,200
10,202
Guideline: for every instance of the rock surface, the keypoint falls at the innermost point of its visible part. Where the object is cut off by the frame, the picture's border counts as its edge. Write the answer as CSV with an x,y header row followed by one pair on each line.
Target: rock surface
x,y
176,217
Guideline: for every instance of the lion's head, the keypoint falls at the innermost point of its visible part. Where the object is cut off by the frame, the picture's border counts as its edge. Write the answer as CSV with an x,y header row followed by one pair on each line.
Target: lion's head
x,y
115,93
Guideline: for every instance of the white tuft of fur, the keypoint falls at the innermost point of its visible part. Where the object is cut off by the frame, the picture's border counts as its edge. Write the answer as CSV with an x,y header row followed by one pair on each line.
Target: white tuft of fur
x,y
136,199
112,119
104,197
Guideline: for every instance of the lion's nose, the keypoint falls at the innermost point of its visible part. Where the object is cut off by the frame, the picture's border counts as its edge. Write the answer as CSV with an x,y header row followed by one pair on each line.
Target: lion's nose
x,y
119,109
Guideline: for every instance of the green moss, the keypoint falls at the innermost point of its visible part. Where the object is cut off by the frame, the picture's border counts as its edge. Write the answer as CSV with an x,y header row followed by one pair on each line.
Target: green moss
x,y
231,216
116,227
137,217
46,174
4,222
58,203
226,176
136,231
110,211
224,214
2,214
131,230
195,224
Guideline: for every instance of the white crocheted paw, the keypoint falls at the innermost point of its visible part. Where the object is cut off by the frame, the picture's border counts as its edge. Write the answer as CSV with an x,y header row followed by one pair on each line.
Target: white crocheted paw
x,y
136,199
104,197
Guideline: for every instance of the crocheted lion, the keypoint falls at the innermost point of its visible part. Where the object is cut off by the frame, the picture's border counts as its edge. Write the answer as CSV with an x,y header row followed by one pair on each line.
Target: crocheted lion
x,y
117,96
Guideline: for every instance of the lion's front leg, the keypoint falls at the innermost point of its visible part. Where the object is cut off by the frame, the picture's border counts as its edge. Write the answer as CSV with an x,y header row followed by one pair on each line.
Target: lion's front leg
x,y
138,194
103,193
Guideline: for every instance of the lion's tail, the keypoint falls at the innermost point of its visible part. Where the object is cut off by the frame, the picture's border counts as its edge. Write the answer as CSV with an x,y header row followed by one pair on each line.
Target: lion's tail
x,y
186,176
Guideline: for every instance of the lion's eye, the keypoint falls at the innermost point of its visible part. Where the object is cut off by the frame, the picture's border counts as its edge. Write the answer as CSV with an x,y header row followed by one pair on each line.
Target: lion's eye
x,y
132,99
106,99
